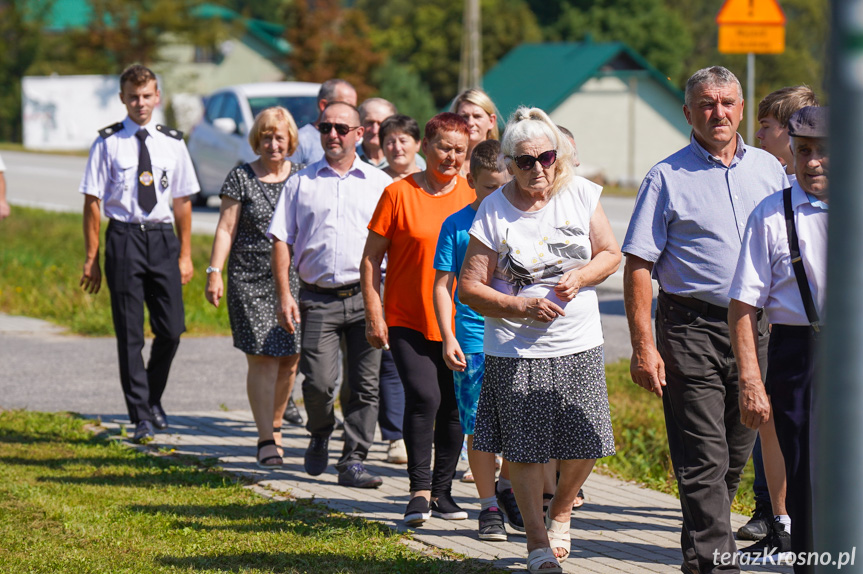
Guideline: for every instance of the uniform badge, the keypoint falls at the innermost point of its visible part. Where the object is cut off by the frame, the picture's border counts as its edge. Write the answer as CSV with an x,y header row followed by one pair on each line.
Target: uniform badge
x,y
164,180
146,178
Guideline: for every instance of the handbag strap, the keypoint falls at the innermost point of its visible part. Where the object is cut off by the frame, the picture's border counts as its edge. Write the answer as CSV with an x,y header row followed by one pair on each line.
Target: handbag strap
x,y
797,263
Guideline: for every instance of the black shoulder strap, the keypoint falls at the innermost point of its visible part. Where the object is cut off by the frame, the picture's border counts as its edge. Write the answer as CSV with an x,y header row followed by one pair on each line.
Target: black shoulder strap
x,y
110,130
797,262
170,132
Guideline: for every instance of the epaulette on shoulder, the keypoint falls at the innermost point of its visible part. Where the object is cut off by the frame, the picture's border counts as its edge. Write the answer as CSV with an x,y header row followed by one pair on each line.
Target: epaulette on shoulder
x,y
170,132
111,130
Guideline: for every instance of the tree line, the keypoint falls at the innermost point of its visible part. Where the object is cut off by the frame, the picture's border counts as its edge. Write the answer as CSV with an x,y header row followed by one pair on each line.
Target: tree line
x,y
407,51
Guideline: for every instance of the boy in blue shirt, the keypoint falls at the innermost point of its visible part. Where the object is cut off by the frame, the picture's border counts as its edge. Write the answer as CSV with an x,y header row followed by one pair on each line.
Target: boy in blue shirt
x,y
463,351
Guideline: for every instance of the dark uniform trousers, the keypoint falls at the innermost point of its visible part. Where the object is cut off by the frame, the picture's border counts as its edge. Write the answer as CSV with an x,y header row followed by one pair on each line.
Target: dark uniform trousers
x,y
141,266
326,319
709,445
790,373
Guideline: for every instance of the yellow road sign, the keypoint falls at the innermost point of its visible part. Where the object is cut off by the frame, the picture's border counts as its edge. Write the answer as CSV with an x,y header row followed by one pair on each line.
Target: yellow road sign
x,y
751,39
751,27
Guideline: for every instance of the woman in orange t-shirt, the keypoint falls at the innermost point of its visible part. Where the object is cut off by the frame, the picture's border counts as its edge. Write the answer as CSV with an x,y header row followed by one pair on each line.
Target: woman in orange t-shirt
x,y
405,228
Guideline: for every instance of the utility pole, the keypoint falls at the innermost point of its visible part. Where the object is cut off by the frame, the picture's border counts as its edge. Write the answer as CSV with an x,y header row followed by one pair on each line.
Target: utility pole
x,y
470,75
838,392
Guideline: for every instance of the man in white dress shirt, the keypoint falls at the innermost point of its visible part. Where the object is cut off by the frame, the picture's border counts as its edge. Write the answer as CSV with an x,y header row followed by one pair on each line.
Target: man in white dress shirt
x,y
141,171
783,268
322,214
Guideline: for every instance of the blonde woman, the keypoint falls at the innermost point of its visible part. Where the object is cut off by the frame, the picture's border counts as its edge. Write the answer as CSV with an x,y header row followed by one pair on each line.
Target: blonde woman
x,y
481,114
249,196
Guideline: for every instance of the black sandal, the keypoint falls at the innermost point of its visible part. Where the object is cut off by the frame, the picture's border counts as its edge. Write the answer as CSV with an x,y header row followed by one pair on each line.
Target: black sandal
x,y
279,447
274,461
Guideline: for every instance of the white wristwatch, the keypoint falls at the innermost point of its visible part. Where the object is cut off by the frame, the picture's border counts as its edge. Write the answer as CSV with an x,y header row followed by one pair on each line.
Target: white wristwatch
x,y
213,270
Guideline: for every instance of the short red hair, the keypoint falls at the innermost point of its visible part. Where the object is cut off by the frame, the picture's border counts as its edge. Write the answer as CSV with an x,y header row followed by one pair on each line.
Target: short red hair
x,y
446,122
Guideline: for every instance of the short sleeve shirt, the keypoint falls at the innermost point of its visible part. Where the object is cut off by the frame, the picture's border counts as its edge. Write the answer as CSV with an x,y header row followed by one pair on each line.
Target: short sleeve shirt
x,y
690,215
764,276
324,215
449,256
411,219
534,249
112,173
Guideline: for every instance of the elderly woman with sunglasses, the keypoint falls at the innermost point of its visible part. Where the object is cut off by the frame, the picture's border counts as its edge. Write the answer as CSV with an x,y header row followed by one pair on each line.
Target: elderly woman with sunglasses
x,y
539,246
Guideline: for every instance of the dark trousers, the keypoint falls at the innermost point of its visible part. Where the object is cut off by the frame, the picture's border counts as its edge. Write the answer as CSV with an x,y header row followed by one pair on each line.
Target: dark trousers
x,y
759,485
431,411
392,407
709,445
141,266
326,320
790,372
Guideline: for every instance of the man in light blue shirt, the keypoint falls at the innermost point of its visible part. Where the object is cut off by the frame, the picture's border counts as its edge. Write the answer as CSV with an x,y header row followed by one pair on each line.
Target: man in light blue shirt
x,y
685,232
309,148
322,214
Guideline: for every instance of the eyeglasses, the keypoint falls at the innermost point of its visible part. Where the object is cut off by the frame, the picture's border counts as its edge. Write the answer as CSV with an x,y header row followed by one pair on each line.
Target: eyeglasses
x,y
342,129
545,159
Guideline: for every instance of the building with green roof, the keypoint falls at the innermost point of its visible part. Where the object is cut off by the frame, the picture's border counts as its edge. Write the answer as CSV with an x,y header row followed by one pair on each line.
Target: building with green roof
x,y
625,114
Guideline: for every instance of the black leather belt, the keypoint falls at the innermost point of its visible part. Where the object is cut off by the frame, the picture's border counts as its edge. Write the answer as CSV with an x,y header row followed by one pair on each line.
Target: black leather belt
x,y
143,226
703,308
795,331
341,292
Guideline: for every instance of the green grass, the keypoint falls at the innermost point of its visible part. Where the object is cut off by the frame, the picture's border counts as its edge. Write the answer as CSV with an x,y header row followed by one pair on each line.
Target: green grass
x,y
41,258
642,445
71,501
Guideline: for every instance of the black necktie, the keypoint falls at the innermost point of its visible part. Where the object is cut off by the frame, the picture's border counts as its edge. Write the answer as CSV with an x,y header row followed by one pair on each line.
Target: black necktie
x,y
146,187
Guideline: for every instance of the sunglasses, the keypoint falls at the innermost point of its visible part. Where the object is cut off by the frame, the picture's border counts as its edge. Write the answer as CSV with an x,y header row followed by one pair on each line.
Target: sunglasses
x,y
545,159
342,129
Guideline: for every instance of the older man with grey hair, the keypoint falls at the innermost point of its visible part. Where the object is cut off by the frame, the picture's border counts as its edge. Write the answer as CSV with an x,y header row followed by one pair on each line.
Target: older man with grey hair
x,y
685,232
783,268
373,112
309,148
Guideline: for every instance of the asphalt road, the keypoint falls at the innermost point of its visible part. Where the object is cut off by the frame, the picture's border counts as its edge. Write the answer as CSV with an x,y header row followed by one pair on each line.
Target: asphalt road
x,y
43,369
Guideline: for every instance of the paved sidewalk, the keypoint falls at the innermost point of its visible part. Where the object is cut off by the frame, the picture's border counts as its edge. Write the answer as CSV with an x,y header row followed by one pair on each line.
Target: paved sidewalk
x,y
621,528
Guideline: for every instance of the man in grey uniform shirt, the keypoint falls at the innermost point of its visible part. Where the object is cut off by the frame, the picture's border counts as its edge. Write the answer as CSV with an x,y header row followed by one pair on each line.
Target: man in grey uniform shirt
x,y
686,230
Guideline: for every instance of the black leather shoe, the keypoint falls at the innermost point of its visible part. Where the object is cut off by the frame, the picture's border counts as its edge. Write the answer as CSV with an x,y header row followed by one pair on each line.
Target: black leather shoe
x,y
292,414
356,476
143,432
317,455
160,419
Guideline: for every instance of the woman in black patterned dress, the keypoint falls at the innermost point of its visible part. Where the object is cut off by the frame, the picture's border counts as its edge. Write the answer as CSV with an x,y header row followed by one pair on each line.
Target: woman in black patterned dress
x,y
249,196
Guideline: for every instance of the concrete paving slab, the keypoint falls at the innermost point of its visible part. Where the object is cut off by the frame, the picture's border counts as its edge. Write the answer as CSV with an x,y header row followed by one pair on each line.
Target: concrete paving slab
x,y
621,528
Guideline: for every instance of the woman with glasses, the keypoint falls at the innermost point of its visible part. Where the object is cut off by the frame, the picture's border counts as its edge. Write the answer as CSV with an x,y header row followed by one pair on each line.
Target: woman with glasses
x,y
539,246
405,228
249,197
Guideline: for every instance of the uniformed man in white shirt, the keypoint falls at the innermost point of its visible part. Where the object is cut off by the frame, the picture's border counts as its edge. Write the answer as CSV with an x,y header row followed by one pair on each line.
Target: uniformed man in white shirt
x,y
783,268
141,171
